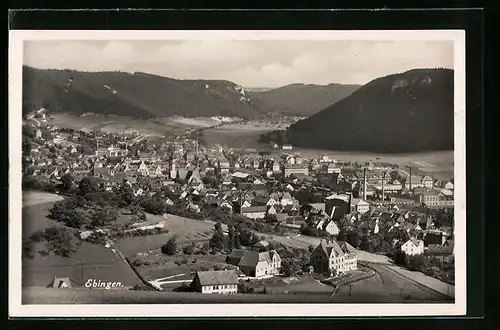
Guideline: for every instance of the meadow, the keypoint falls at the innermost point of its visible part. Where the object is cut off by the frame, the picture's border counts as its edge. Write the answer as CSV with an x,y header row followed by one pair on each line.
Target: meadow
x,y
94,261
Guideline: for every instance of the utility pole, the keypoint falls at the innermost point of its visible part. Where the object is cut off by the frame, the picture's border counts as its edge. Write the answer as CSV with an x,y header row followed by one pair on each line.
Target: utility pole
x,y
81,281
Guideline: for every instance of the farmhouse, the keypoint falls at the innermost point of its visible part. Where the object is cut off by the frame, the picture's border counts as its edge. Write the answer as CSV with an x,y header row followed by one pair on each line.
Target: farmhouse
x,y
334,257
218,282
254,263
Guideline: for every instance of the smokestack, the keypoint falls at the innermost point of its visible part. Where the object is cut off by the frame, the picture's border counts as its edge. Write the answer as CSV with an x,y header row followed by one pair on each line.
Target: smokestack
x,y
383,191
410,178
364,183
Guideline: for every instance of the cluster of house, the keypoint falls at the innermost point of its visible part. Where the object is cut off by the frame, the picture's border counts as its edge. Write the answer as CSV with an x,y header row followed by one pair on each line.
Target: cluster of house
x,y
258,185
329,258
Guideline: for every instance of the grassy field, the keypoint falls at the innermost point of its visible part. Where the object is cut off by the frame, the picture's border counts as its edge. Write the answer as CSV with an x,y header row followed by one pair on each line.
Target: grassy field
x,y
39,197
98,261
168,267
89,296
185,229
428,281
386,286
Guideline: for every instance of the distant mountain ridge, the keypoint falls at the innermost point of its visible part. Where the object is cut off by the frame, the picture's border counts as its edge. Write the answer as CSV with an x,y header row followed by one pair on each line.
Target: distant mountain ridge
x,y
302,100
405,112
138,95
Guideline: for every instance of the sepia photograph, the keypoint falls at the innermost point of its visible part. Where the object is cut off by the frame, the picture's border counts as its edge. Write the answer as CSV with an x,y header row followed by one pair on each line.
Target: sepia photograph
x,y
237,173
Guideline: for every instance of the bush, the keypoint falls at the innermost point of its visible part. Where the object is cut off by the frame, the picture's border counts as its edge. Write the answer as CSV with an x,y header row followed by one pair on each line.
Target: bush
x,y
184,261
27,249
97,237
399,257
61,241
184,288
189,249
37,236
416,262
169,248
43,253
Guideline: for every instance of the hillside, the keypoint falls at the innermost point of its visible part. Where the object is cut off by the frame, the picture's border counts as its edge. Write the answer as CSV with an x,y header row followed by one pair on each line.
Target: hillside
x,y
300,99
138,95
406,112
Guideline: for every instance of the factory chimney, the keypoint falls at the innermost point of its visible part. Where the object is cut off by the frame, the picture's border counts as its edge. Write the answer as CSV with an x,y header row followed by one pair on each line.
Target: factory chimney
x,y
383,190
364,183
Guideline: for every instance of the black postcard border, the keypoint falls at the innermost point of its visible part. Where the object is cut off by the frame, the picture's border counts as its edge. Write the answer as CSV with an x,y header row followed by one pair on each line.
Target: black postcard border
x,y
471,20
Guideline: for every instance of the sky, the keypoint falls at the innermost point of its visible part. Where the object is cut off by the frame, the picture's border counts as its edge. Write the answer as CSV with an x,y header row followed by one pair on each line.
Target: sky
x,y
252,63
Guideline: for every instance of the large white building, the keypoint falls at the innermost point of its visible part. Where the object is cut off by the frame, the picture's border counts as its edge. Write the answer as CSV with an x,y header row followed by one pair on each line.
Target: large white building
x,y
289,169
413,246
333,257
216,282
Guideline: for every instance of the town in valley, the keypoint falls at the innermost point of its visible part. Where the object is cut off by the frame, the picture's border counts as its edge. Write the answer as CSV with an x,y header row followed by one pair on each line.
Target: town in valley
x,y
270,220
124,205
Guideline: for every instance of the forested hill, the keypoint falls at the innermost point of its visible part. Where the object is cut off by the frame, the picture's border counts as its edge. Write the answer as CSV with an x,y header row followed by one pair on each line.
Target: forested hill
x,y
406,112
300,99
138,95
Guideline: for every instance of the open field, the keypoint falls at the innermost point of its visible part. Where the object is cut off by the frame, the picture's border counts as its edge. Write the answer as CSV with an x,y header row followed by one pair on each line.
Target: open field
x,y
235,135
98,261
168,268
386,286
39,197
120,124
428,281
185,229
91,296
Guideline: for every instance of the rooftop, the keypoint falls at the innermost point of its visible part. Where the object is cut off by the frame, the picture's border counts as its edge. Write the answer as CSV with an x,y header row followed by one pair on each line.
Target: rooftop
x,y
217,277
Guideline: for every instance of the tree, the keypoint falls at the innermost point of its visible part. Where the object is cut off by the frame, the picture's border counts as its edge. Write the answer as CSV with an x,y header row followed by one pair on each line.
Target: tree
x,y
66,182
125,195
104,216
416,262
399,257
88,185
169,248
365,243
69,212
217,242
342,236
60,241
154,205
231,238
189,249
353,238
